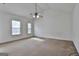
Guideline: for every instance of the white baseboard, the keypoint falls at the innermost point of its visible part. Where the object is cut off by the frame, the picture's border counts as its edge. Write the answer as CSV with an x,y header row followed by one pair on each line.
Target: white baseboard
x,y
58,38
15,40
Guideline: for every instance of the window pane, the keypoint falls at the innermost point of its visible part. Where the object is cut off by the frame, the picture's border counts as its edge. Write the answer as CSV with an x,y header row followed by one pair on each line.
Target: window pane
x,y
15,27
29,28
29,25
15,23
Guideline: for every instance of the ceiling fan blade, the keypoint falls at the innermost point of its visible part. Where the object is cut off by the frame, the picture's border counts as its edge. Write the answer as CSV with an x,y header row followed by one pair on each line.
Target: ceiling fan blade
x,y
41,16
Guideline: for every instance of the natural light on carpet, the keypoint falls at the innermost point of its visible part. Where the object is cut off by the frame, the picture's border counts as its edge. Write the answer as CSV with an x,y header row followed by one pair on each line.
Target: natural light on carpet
x,y
38,39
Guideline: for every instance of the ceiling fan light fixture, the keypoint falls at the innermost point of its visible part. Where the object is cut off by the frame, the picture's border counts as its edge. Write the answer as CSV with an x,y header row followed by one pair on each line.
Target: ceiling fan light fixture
x,y
33,16
36,15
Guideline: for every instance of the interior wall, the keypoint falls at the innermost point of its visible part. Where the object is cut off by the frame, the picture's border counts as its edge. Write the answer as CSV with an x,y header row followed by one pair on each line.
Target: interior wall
x,y
76,26
5,27
54,24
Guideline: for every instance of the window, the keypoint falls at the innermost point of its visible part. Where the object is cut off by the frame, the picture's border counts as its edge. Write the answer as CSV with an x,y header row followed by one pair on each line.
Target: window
x,y
16,26
29,28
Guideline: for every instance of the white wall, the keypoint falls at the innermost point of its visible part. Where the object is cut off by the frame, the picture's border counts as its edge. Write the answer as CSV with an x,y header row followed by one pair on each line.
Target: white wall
x,y
5,27
54,24
76,26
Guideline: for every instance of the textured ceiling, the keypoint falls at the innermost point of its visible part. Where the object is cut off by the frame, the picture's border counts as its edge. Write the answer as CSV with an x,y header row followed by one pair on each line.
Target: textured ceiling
x,y
24,9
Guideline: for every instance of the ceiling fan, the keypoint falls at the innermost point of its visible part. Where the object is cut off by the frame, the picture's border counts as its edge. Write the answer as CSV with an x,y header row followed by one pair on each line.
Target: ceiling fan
x,y
36,14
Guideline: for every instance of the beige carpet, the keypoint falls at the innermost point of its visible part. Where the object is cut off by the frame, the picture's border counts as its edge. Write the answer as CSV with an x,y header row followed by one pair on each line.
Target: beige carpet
x,y
39,47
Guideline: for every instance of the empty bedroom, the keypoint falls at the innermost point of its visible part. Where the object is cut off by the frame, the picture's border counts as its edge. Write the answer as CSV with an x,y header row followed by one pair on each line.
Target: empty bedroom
x,y
39,29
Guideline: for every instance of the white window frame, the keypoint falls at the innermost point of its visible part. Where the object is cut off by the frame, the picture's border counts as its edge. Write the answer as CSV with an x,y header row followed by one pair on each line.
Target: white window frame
x,y
29,25
19,25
